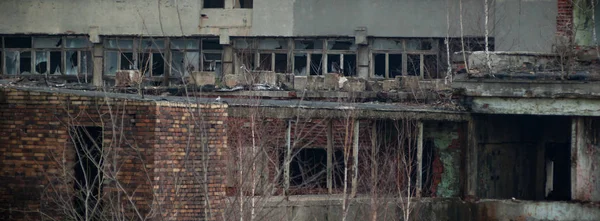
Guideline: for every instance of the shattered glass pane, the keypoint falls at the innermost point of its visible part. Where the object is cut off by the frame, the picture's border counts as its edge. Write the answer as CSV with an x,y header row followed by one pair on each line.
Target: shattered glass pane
x,y
272,44
86,62
153,44
119,44
17,42
177,64
333,63
210,61
77,43
431,66
55,62
11,58
341,45
111,59
211,44
144,63
242,43
387,44
72,62
47,42
191,62
180,44
41,62
25,62
308,44
300,64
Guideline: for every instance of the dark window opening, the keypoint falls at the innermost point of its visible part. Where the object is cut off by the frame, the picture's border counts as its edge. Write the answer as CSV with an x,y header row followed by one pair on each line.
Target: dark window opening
x,y
300,64
88,173
158,64
395,66
244,3
212,62
55,62
144,64
414,65
281,63
127,61
379,65
349,65
247,61
426,45
431,66
265,62
214,4
17,42
558,171
333,63
316,64
427,165
25,62
308,169
211,44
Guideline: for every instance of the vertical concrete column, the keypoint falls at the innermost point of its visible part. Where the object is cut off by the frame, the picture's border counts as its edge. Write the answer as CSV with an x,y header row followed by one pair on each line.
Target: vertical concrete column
x,y
419,157
98,57
288,157
585,157
362,56
471,164
330,157
355,158
363,62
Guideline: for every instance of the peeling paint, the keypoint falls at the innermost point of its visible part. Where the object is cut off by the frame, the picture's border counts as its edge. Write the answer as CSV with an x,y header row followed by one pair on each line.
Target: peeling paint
x,y
445,137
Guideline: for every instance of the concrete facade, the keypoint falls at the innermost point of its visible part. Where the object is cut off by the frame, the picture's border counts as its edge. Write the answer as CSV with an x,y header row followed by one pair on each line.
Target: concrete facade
x,y
381,18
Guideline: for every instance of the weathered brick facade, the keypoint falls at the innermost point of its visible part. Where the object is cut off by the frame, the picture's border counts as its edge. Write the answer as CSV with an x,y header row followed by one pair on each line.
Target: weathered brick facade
x,y
164,159
564,19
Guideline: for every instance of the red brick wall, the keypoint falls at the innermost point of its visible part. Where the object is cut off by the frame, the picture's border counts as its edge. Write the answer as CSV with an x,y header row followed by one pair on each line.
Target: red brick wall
x,y
564,19
140,139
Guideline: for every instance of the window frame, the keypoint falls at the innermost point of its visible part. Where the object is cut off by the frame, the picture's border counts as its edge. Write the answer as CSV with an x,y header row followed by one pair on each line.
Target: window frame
x,y
405,52
63,49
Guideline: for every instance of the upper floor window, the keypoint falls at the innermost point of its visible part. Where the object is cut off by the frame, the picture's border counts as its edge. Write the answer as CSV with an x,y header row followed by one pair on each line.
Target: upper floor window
x,y
55,55
398,57
214,4
243,3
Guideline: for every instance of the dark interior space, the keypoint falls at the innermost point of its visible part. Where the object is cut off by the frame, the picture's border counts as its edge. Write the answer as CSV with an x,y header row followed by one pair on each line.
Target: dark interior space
x,y
214,4
379,65
349,65
88,161
281,63
25,62
55,62
525,157
316,64
158,64
308,168
395,65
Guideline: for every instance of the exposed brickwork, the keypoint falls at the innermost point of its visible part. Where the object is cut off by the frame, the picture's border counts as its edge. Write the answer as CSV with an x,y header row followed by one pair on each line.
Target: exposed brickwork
x,y
145,140
564,19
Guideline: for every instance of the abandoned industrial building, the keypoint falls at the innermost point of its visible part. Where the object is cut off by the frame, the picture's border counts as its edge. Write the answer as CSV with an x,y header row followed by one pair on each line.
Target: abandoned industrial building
x,y
299,110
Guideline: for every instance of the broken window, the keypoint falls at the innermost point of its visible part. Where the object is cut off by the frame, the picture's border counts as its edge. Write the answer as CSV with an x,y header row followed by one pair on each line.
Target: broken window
x,y
308,169
111,62
414,65
243,3
17,42
11,59
316,64
185,56
41,62
212,62
405,57
246,61
394,65
214,4
146,55
300,64
281,63
265,62
379,65
341,56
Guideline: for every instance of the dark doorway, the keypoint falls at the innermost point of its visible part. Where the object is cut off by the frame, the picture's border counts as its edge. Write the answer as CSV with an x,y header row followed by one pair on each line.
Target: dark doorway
x,y
88,175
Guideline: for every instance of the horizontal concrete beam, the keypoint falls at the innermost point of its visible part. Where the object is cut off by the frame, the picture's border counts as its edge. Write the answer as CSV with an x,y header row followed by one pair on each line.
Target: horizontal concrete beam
x,y
531,89
535,106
